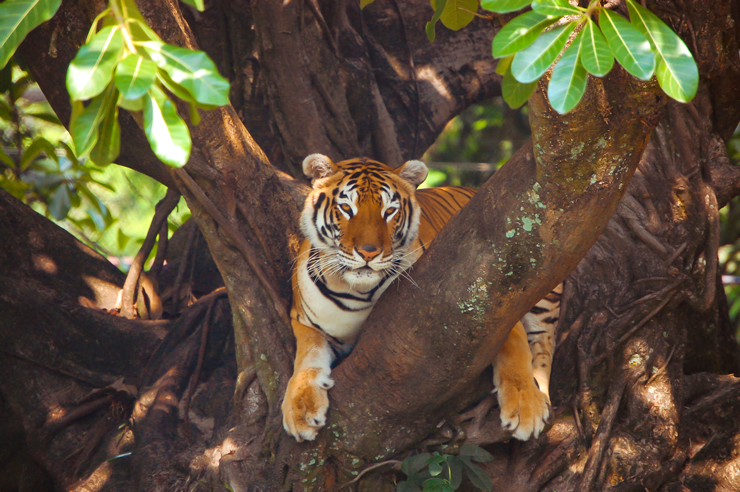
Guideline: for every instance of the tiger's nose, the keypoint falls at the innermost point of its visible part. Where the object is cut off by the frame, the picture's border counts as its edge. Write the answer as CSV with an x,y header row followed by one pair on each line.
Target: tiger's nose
x,y
368,252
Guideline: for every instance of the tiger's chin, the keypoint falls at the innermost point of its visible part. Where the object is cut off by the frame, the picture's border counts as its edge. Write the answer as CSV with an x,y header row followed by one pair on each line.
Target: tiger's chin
x,y
363,279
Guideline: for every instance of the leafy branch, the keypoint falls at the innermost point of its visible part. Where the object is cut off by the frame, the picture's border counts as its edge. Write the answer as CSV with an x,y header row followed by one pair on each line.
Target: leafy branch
x,y
444,472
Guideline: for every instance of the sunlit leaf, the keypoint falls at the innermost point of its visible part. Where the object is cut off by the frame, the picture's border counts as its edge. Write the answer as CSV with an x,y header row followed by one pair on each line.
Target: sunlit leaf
x,y
131,104
514,92
677,72
458,13
365,3
531,63
19,17
134,76
194,115
92,68
519,33
84,123
504,64
165,130
193,70
439,7
6,158
108,145
48,117
198,4
596,56
568,82
122,238
504,6
555,7
629,46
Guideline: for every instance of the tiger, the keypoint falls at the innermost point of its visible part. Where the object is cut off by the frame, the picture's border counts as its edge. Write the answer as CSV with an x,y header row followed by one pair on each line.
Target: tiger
x,y
365,224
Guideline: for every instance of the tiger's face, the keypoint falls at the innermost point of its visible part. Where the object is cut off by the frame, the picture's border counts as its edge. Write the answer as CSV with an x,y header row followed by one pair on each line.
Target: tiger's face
x,y
361,217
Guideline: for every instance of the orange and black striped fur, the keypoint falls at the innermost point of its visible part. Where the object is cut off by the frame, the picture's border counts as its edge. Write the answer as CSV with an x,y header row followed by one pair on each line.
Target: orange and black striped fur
x,y
365,224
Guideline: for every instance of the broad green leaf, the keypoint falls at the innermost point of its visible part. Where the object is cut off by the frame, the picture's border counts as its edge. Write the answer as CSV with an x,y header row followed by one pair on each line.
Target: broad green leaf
x,y
455,471
477,476
70,153
92,68
504,64
6,158
48,117
677,72
555,7
123,239
108,145
193,70
134,76
198,4
515,93
37,147
439,7
458,13
19,17
413,464
530,64
131,104
435,469
85,122
504,6
629,46
365,3
519,33
6,113
60,202
476,453
165,130
437,485
194,115
568,81
596,56
407,487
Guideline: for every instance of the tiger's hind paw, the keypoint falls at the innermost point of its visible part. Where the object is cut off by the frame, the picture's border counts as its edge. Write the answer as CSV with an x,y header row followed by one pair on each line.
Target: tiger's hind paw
x,y
306,403
525,409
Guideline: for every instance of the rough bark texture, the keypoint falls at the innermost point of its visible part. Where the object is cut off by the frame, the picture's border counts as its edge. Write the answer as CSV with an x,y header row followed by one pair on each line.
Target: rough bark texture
x,y
200,406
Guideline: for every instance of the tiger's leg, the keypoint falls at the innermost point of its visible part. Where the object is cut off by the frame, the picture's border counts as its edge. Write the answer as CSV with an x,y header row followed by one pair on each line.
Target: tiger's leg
x,y
306,401
540,324
524,408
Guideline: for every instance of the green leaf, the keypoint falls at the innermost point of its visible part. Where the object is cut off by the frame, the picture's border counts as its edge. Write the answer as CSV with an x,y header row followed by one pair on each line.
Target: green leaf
x,y
555,7
596,56
198,4
193,70
413,464
504,64
477,476
60,202
131,104
437,485
568,81
92,68
476,453
108,145
530,64
365,3
5,158
69,152
515,93
435,468
37,147
19,17
629,46
458,13
504,6
439,7
123,239
455,471
677,72
85,122
6,77
6,113
48,117
407,487
194,114
520,33
165,130
135,75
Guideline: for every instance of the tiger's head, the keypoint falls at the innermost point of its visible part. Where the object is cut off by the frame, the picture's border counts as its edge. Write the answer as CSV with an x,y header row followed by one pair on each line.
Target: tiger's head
x,y
362,216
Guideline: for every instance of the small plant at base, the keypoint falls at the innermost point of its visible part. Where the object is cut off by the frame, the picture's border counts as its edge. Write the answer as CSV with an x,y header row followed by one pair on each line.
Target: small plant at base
x,y
445,472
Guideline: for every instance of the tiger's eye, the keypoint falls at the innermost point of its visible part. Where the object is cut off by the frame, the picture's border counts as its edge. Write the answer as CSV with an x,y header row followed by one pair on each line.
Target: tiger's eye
x,y
345,208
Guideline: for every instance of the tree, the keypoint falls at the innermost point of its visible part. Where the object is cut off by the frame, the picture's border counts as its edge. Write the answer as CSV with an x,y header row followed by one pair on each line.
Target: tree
x,y
638,395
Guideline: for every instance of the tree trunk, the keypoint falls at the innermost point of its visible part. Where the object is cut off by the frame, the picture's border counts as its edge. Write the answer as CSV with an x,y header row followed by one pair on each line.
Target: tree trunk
x,y
637,395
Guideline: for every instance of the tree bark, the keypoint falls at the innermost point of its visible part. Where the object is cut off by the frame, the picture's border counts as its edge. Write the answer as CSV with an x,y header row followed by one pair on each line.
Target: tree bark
x,y
643,307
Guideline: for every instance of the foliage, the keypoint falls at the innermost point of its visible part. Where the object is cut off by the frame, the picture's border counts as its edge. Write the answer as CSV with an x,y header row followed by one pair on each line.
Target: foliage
x,y
529,45
729,251
444,472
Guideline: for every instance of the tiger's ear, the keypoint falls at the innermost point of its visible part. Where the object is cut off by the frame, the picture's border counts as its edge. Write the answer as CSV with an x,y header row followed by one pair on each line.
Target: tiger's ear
x,y
317,166
415,172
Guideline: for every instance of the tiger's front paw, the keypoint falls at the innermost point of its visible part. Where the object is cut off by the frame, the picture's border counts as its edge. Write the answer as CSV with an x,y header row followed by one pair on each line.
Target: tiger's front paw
x,y
305,403
524,408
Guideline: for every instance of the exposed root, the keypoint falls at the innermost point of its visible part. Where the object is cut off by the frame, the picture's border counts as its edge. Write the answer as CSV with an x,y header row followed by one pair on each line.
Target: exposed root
x,y
396,465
